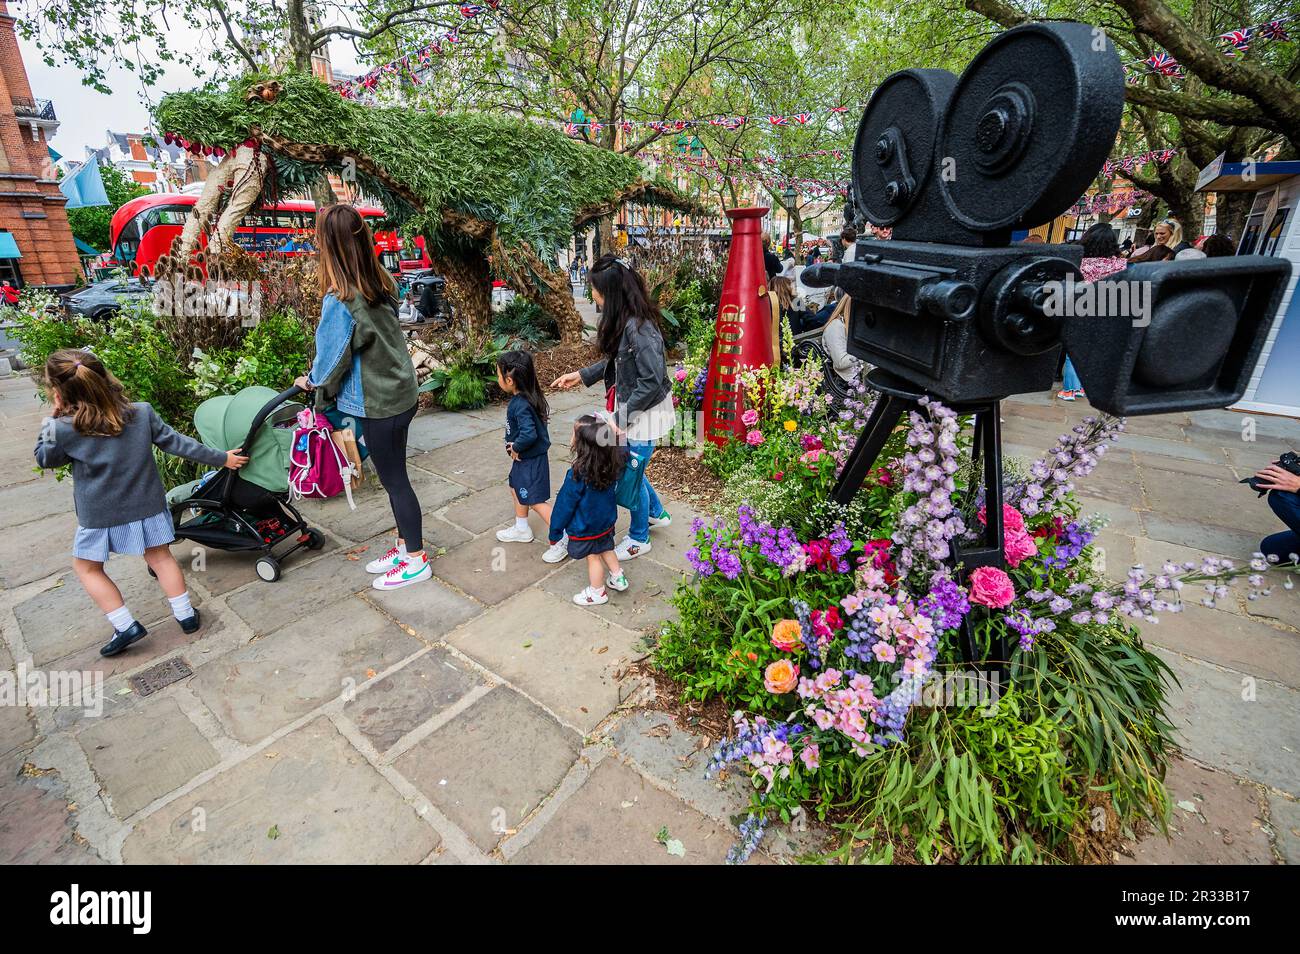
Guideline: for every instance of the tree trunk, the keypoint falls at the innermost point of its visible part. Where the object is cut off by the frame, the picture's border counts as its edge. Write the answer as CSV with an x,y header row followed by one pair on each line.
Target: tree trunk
x,y
1230,211
469,288
556,299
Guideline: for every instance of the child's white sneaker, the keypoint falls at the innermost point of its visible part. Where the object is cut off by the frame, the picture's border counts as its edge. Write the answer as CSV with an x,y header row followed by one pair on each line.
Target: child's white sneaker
x,y
404,574
514,534
629,549
557,552
383,564
618,583
591,597
665,519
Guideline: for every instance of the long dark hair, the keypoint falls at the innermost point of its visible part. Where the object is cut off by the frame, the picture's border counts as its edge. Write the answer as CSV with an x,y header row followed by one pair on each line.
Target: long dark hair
x,y
517,366
88,393
597,456
347,264
626,299
1100,241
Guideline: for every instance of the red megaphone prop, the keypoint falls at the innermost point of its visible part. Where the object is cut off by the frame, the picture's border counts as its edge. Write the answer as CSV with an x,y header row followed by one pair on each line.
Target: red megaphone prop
x,y
745,332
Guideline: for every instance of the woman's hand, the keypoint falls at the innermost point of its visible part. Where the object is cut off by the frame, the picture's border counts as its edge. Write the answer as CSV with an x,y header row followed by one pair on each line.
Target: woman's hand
x,y
1274,477
302,381
234,459
57,403
566,381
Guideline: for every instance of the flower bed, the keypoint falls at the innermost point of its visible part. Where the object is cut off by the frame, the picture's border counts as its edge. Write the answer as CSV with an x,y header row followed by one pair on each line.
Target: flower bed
x,y
834,634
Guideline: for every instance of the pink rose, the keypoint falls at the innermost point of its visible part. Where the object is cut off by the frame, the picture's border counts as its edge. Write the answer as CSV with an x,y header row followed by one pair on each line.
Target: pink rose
x,y
1018,547
991,587
749,418
754,438
680,374
1011,519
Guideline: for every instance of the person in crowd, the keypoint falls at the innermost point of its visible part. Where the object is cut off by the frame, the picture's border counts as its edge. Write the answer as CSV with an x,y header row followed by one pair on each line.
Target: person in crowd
x,y
1153,253
118,495
635,374
1170,234
362,365
586,510
1101,258
1189,254
1126,247
848,243
1176,240
1284,497
771,264
8,294
835,342
1217,246
527,443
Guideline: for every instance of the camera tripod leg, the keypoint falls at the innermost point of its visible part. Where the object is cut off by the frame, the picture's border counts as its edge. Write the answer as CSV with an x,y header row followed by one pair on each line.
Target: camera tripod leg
x,y
986,455
885,416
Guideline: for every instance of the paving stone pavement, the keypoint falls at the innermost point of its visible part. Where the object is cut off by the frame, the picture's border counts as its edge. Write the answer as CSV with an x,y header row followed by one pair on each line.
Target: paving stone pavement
x,y
483,718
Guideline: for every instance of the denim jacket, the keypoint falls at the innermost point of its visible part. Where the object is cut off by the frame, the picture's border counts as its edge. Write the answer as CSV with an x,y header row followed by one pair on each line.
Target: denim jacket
x,y
361,360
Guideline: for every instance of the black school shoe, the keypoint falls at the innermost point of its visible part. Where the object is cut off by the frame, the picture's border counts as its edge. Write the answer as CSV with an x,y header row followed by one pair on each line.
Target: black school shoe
x,y
125,638
190,625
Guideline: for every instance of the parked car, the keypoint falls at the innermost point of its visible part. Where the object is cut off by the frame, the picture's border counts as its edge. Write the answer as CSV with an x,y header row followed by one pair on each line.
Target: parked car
x,y
430,293
100,300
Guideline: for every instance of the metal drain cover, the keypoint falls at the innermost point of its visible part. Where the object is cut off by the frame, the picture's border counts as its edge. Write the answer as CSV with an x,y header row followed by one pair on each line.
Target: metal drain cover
x,y
160,676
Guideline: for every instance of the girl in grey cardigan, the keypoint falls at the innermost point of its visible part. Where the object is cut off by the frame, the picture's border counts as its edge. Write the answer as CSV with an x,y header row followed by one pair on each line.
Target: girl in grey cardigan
x,y
119,497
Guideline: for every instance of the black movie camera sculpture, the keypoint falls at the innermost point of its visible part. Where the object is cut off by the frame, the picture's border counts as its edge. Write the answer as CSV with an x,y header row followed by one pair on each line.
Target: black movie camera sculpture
x,y
948,308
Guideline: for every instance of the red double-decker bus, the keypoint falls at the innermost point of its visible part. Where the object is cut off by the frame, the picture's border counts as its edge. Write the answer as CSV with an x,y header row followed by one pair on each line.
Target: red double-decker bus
x,y
143,229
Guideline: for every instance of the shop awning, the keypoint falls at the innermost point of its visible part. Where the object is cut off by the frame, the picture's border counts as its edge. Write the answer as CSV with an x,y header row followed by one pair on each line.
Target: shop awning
x,y
83,248
9,247
1221,176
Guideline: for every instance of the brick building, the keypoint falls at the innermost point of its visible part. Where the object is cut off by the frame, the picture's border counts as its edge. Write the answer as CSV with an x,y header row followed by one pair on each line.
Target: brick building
x,y
36,244
150,162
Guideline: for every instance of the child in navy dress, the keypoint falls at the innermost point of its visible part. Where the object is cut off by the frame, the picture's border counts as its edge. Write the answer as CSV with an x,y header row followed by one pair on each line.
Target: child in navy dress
x,y
586,509
527,443
115,485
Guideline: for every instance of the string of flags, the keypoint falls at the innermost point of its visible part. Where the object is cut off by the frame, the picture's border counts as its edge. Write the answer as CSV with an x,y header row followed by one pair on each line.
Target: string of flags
x,y
1129,163
1109,202
411,64
814,188
802,118
1233,42
712,163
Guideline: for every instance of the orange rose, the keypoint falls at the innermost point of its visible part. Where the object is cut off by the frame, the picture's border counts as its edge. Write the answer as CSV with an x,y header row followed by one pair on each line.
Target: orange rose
x,y
787,635
781,677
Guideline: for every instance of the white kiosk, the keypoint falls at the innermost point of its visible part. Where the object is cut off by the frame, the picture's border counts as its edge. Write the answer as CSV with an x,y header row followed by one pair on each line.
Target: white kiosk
x,y
1270,229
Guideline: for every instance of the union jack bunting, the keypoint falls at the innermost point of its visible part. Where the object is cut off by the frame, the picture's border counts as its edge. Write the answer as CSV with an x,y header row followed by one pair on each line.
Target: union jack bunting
x,y
1163,64
1236,41
453,37
470,10
1274,31
778,120
802,118
839,109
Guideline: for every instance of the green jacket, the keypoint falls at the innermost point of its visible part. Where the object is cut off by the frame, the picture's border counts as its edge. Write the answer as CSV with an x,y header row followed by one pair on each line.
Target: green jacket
x,y
361,359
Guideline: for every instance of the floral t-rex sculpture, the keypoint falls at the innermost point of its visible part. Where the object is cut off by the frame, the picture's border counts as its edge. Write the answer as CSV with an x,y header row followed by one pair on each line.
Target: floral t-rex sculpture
x,y
487,191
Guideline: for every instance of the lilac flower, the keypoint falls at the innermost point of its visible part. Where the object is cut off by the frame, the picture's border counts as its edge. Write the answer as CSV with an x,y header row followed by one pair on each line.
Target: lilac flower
x,y
946,603
928,526
1074,455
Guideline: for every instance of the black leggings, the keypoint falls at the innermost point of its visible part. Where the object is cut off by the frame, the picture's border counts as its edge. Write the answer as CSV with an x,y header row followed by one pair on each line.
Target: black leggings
x,y
386,441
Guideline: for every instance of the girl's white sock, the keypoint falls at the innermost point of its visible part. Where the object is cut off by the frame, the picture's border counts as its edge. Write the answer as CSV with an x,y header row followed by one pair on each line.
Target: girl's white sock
x,y
181,607
121,619
521,523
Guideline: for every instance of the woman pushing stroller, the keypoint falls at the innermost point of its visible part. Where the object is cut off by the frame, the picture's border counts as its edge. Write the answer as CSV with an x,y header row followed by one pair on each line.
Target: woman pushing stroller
x,y
363,366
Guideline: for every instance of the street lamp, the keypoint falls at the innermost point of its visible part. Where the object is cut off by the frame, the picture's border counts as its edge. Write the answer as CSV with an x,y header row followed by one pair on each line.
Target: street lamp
x,y
791,197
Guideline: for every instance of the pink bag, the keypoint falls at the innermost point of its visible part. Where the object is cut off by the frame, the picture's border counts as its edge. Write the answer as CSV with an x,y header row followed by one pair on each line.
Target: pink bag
x,y
317,467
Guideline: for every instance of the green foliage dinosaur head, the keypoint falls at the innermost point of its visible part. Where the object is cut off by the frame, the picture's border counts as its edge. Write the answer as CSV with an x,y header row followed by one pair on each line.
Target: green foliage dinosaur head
x,y
529,182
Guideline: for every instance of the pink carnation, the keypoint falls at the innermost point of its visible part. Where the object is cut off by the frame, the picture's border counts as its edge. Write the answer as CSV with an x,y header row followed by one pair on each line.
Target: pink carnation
x,y
754,438
1012,521
991,587
680,374
749,418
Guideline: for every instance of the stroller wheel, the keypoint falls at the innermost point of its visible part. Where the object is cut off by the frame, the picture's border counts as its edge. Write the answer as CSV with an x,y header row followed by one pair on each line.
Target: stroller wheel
x,y
268,569
316,539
